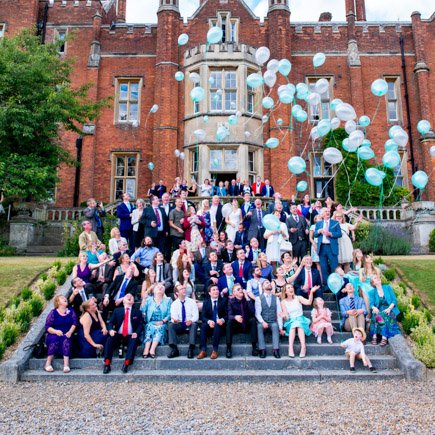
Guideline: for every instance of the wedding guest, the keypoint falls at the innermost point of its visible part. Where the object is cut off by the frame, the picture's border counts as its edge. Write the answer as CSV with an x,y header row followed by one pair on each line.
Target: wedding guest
x,y
321,321
138,227
352,309
115,240
355,349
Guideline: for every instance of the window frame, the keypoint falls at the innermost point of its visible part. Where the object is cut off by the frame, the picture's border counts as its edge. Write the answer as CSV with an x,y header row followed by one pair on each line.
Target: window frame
x,y
401,172
324,176
225,91
63,48
224,165
310,80
125,177
2,30
229,25
397,100
120,81
252,173
194,163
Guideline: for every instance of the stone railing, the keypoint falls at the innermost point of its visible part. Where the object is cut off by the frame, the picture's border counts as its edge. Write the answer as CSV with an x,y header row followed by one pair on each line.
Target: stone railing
x,y
383,214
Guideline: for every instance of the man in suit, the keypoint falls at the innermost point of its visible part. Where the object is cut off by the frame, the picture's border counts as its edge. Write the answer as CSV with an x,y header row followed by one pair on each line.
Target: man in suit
x,y
88,237
253,251
267,189
163,271
256,228
246,207
123,249
123,211
298,233
155,223
233,190
216,217
241,319
200,258
241,239
105,273
227,281
122,285
278,199
242,267
93,213
268,315
257,187
160,189
352,309
77,294
308,279
125,327
213,316
185,204
327,232
213,269
228,255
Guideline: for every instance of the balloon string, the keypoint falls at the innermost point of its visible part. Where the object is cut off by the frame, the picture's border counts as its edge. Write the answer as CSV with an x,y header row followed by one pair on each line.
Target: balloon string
x,y
376,111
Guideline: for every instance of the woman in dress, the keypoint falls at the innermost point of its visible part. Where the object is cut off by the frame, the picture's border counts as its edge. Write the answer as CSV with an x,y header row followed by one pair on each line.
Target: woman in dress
x,y
289,264
148,284
313,241
383,303
115,239
157,313
193,225
193,189
345,247
304,209
321,321
368,272
176,188
274,240
187,283
246,188
185,261
205,188
124,264
84,270
279,283
204,212
138,228
233,220
295,321
60,325
92,334
266,268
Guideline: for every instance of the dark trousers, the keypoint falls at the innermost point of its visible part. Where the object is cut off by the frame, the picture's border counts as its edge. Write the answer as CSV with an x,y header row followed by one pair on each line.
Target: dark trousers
x,y
115,341
299,249
159,242
128,235
234,327
176,242
175,329
107,309
328,262
303,293
215,332
261,239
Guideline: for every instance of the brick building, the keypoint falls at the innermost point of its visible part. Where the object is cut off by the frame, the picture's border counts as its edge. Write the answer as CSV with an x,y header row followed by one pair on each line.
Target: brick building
x,y
136,64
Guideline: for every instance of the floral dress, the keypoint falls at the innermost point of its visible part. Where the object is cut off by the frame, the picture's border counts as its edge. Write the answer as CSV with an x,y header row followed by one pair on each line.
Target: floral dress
x,y
382,323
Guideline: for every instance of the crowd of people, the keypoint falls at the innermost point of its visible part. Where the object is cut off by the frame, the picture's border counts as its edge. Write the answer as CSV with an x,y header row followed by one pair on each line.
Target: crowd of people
x,y
171,269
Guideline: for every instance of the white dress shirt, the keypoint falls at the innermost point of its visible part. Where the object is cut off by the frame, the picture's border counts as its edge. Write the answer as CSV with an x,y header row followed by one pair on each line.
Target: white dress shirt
x,y
258,310
325,239
192,312
130,328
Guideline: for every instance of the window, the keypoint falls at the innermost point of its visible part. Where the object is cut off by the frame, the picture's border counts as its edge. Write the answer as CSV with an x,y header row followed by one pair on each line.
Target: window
x,y
2,29
251,166
61,39
194,163
196,103
124,175
393,99
128,101
400,173
251,98
322,110
223,91
229,26
223,160
323,183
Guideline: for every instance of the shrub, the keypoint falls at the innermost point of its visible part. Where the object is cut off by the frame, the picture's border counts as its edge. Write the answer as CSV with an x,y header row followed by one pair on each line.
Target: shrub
x,y
15,301
362,231
424,339
411,319
68,268
2,349
26,294
390,274
61,277
70,240
48,290
23,316
2,314
37,304
385,241
9,333
378,261
44,276
110,221
403,286
415,301
57,264
427,316
432,241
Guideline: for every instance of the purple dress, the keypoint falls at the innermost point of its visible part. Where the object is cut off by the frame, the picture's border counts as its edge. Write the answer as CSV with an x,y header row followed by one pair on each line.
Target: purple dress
x,y
84,274
59,345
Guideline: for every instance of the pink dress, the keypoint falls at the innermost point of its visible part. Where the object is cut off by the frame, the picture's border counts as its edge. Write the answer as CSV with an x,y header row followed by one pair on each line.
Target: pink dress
x,y
321,323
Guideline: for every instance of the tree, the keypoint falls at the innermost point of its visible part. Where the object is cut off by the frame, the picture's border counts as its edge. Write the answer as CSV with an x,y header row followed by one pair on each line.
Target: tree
x,y
37,102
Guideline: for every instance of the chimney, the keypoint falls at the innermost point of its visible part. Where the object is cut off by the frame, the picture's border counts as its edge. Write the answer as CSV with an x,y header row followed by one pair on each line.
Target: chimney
x,y
325,16
360,10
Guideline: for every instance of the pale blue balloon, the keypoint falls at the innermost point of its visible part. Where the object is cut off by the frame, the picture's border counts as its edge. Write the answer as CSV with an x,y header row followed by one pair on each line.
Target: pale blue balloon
x,y
233,120
179,76
211,80
423,127
391,159
366,143
197,94
151,166
394,130
271,222
379,87
296,165
221,133
374,176
335,102
254,80
205,119
335,282
302,95
301,116
286,97
272,143
183,39
365,153
319,59
154,108
279,121
267,102
295,109
214,35
302,186
284,67
364,121
420,179
302,87
324,127
390,145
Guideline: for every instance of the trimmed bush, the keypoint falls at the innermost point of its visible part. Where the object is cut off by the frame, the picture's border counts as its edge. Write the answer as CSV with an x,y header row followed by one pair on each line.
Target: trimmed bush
x,y
2,349
26,294
2,314
378,261
424,339
61,277
9,333
415,301
23,316
70,240
385,241
44,276
48,290
432,241
37,304
68,268
15,301
411,320
57,264
390,274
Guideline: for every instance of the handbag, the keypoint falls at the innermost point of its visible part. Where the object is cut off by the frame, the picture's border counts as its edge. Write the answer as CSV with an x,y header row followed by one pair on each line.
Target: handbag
x,y
285,246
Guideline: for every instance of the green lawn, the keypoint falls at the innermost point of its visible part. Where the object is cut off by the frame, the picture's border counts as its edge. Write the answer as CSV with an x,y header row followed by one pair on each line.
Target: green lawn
x,y
19,272
420,273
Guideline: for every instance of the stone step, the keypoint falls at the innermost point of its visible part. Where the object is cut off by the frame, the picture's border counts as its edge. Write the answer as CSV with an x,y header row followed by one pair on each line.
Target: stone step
x,y
328,362
136,375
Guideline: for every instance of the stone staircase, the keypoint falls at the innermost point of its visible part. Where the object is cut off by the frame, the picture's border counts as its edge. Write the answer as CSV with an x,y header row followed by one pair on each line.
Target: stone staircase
x,y
323,362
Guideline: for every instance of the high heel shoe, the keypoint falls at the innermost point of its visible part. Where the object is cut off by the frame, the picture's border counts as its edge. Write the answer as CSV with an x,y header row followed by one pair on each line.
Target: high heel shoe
x,y
303,352
145,355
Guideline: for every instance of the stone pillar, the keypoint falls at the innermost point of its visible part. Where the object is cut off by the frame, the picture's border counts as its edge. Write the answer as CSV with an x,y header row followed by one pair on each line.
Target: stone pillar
x,y
22,232
422,225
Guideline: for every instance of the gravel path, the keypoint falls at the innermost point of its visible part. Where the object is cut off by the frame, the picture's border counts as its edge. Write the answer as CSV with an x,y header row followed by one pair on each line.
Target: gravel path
x,y
375,407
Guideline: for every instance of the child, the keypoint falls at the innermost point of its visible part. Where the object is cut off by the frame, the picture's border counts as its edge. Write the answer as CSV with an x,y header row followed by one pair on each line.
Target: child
x,y
355,349
321,321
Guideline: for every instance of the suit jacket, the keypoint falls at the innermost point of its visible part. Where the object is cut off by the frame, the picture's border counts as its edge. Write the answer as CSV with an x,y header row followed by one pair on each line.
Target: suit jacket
x,y
301,227
241,239
123,215
285,207
264,191
255,191
233,190
118,254
389,296
254,223
150,306
250,256
170,207
108,272
207,310
148,216
207,268
160,190
334,229
219,218
226,257
300,280
198,258
90,214
117,319
222,282
167,274
113,288
76,303
247,267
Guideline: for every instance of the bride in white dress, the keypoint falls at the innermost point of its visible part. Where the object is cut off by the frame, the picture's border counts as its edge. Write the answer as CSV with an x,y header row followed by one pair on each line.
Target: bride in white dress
x,y
274,240
233,220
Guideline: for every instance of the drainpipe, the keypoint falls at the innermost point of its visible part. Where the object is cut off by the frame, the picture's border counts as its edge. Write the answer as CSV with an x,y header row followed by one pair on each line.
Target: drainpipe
x,y
79,144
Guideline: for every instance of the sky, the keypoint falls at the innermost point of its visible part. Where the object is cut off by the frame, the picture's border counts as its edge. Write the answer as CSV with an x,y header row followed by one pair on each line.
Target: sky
x,y
144,11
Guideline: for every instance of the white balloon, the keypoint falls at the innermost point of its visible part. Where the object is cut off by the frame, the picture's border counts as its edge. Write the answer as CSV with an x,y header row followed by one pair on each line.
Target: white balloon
x,y
182,156
432,151
226,209
282,88
314,133
400,137
322,85
177,153
200,134
265,118
350,126
247,134
314,99
335,123
262,55
356,138
272,65
345,112
332,156
269,78
194,77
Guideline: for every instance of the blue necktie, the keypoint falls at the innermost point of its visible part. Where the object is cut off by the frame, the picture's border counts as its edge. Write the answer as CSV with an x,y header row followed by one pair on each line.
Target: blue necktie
x,y
352,303
183,314
215,311
123,287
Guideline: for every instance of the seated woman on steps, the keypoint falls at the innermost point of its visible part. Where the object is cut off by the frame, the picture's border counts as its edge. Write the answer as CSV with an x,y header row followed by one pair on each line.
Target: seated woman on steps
x,y
321,321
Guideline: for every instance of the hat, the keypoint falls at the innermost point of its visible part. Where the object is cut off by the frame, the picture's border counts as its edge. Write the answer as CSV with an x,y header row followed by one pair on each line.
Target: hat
x,y
363,333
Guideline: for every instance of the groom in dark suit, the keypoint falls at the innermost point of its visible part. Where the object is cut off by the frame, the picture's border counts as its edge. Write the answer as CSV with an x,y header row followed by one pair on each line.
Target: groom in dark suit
x,y
125,326
298,233
307,279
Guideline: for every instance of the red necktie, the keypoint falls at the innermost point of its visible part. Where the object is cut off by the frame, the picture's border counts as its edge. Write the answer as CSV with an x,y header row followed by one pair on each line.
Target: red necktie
x,y
309,283
241,270
125,324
